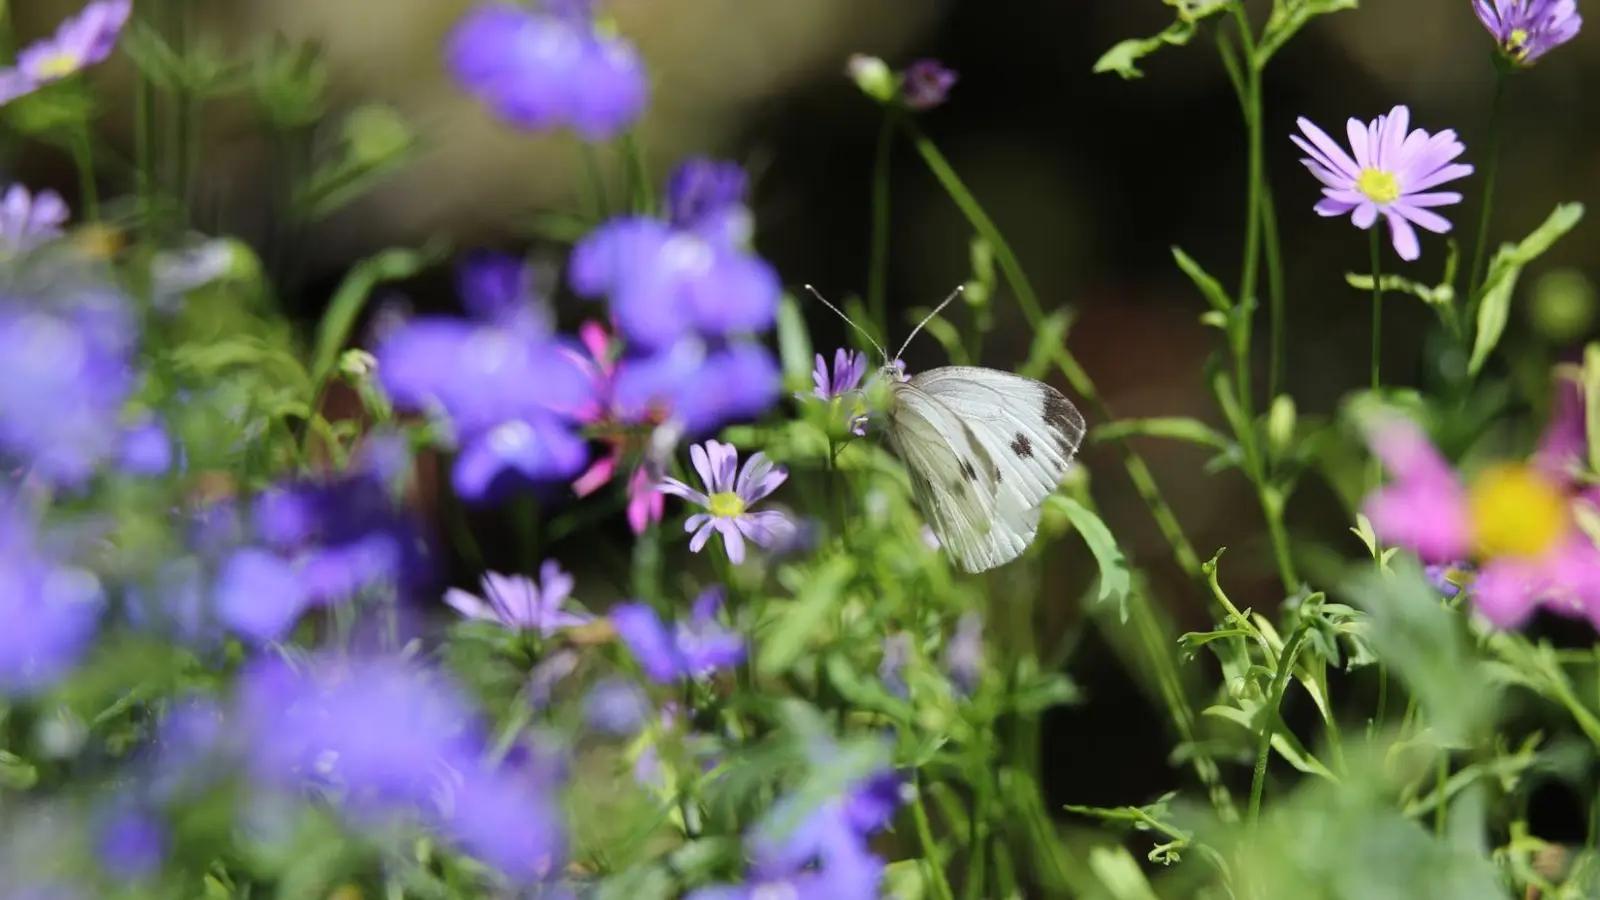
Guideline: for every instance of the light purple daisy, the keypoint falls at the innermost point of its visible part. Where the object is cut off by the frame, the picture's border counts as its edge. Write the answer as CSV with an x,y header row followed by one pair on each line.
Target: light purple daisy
x,y
728,497
849,367
926,83
517,602
28,220
79,42
1528,29
1389,173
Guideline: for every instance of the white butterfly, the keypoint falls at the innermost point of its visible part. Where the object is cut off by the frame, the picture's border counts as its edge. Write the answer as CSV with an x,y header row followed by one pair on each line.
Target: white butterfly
x,y
984,449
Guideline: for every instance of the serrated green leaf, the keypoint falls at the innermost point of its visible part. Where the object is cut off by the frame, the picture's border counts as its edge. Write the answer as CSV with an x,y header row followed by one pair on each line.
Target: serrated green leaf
x,y
1123,58
1115,580
819,599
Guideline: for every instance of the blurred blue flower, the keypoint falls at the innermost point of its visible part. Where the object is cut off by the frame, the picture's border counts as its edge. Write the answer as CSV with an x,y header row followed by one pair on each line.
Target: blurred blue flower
x,y
509,819
615,706
130,841
259,595
1447,578
519,602
689,649
699,385
548,673
963,656
891,671
548,69
28,220
477,373
146,450
693,273
66,370
925,84
48,610
705,193
79,42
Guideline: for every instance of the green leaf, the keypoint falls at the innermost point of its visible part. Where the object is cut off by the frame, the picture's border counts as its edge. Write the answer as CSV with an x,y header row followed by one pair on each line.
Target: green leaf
x,y
1120,874
1124,57
1213,290
1046,691
1440,295
818,600
1495,304
1047,344
794,340
333,332
1115,580
1177,428
1288,18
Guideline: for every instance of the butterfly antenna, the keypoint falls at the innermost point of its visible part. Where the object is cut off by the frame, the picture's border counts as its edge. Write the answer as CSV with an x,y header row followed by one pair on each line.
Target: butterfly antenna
x,y
929,318
875,344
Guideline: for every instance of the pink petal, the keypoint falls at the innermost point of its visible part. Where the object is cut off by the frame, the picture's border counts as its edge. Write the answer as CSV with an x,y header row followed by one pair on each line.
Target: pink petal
x,y
1506,592
1565,439
598,474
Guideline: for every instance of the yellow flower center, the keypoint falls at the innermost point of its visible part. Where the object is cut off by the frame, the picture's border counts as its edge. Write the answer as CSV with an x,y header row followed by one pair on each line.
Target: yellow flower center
x,y
727,505
1379,186
1517,43
1516,512
57,65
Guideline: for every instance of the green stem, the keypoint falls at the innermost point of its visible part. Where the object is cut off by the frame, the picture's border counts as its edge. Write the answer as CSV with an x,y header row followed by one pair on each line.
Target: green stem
x,y
1491,169
594,180
83,159
1442,777
930,847
878,270
1253,190
1377,305
978,845
1280,684
1079,379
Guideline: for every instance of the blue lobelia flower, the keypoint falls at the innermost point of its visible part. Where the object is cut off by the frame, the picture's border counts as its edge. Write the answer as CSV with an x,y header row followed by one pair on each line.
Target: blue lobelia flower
x,y
48,610
512,393
548,69
701,386
692,273
688,649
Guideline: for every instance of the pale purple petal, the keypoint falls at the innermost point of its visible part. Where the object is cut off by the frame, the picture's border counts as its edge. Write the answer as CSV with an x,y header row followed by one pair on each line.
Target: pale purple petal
x,y
1328,206
1365,215
1391,138
698,542
1357,132
1442,198
1403,236
1332,154
766,527
469,605
724,466
1423,218
732,541
678,489
702,465
1448,173
557,585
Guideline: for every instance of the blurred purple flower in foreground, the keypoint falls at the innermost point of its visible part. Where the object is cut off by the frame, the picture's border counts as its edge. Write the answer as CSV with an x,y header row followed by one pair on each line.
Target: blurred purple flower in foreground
x,y
692,273
1390,173
48,610
729,495
963,657
79,42
517,602
926,83
392,741
1515,520
1528,29
28,220
548,69
688,649
506,386
616,706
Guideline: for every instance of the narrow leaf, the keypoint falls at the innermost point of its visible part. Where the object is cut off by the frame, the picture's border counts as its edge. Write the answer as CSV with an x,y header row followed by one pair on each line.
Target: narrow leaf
x,y
1177,428
1115,580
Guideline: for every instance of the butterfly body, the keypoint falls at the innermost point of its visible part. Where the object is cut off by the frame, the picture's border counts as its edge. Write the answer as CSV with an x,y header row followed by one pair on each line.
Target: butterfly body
x,y
984,449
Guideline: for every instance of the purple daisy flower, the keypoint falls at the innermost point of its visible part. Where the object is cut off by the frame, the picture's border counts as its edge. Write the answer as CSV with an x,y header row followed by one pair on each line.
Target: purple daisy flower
x,y
690,649
1389,173
729,495
926,83
548,69
692,273
80,42
518,602
849,368
963,657
1528,29
28,220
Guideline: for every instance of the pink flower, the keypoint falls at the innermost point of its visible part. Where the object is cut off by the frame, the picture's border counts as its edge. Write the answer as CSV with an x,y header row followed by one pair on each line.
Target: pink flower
x,y
645,503
1516,519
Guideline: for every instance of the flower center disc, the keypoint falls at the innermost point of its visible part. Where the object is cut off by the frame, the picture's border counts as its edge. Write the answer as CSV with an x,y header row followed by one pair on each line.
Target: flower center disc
x,y
1516,512
1379,186
727,505
56,65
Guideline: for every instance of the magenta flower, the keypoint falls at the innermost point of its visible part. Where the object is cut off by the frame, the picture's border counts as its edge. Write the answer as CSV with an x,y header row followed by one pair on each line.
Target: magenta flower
x,y
729,495
1528,29
80,42
1390,173
645,503
1515,520
517,602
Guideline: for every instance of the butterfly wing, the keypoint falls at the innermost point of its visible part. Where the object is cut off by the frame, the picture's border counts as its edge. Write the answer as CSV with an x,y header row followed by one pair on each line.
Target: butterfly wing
x,y
951,473
1028,430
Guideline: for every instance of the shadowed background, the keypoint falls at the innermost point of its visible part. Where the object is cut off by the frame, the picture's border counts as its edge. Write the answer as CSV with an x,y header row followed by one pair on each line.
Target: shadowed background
x,y
1091,178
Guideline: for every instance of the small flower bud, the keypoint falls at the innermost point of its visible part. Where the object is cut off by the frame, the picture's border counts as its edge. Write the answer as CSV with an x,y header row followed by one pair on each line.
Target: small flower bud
x,y
1563,307
873,76
1280,425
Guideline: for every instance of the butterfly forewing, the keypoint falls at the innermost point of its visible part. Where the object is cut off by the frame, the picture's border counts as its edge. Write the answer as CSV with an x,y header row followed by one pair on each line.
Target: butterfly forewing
x,y
1022,433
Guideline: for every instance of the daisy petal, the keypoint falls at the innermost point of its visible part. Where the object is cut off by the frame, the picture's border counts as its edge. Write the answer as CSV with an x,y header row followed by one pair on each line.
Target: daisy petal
x,y
1423,218
732,540
1336,155
1442,198
1403,236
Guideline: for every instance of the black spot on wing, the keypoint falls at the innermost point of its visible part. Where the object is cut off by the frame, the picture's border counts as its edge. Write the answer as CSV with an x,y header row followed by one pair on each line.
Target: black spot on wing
x,y
968,471
1063,420
1021,446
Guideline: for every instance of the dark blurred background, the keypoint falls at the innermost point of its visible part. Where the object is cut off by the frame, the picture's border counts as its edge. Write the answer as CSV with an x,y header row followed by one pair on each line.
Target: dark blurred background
x,y
1091,177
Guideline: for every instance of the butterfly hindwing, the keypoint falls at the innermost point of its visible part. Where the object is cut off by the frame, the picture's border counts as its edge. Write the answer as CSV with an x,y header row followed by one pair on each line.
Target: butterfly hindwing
x,y
952,472
1029,432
